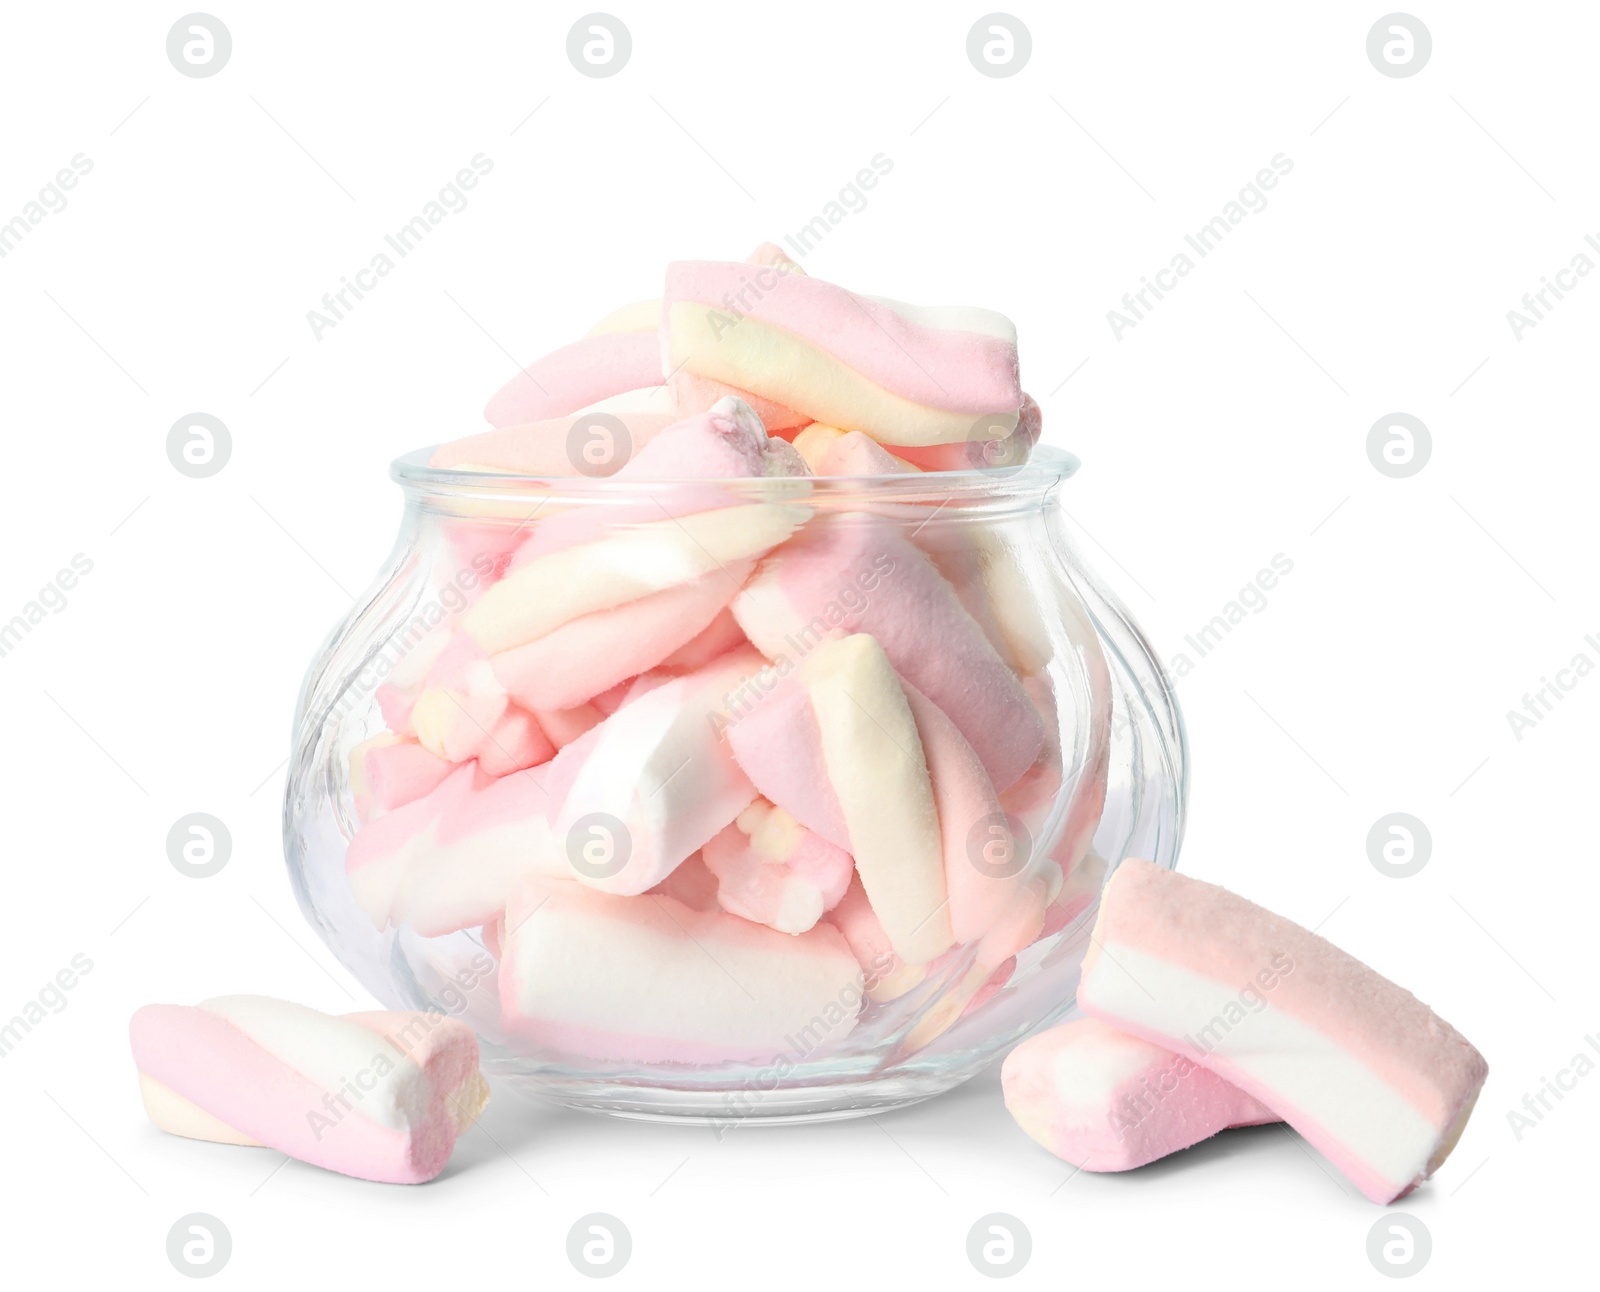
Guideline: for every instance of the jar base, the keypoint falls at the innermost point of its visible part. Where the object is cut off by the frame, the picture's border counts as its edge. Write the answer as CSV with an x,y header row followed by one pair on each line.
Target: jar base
x,y
782,1106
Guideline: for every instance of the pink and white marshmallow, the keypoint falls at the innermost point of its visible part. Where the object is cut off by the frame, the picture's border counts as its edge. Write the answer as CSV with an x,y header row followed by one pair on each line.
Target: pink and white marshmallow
x,y
1364,1070
1107,1101
650,980
382,1095
904,374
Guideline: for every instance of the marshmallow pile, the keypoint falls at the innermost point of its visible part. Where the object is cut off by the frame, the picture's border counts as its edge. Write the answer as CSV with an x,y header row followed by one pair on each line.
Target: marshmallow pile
x,y
711,759
1207,1012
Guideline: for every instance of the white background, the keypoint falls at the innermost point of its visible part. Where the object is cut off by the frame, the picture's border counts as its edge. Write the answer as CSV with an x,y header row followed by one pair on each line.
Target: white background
x,y
1228,426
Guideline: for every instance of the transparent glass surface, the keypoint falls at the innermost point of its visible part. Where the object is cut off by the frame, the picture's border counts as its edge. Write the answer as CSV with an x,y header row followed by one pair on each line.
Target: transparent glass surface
x,y
1109,783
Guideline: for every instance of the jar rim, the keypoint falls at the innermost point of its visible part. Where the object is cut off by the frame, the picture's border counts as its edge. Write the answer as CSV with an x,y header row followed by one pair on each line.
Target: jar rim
x,y
1045,468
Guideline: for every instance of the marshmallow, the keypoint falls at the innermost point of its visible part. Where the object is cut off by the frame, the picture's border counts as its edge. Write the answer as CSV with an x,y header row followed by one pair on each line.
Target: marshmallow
x,y
887,976
584,443
1078,890
979,451
904,374
1107,1101
813,442
691,394
1359,1066
659,772
727,441
721,635
515,742
555,588
639,316
692,883
648,979
600,650
578,375
984,863
651,783
875,763
774,737
378,1095
769,868
387,772
768,253
449,860
858,454
462,703
563,726
856,573
985,569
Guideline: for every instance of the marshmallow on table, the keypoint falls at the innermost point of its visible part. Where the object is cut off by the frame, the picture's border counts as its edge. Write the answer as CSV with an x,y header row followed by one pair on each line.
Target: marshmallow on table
x,y
648,979
904,374
1364,1070
577,375
857,573
380,1095
769,868
1107,1101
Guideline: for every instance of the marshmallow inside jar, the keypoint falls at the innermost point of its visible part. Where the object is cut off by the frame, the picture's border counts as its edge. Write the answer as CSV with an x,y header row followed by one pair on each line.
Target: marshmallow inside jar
x,y
715,769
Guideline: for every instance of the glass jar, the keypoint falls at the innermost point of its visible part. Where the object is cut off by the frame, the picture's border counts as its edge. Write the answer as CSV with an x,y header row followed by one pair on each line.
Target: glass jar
x,y
627,775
